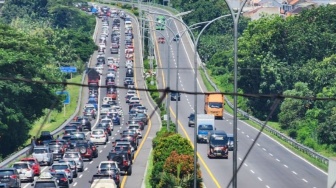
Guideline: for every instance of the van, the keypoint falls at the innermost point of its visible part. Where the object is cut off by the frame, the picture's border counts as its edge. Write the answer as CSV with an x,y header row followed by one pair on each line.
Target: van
x,y
218,144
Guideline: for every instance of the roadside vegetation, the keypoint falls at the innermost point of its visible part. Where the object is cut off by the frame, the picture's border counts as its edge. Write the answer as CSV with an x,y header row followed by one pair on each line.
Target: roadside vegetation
x,y
37,38
293,56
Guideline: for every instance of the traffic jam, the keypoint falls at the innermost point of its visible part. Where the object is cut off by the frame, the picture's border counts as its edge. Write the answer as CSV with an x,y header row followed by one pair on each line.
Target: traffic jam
x,y
112,118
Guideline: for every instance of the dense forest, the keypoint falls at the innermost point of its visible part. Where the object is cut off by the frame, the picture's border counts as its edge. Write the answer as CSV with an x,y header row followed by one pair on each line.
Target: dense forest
x,y
293,56
37,37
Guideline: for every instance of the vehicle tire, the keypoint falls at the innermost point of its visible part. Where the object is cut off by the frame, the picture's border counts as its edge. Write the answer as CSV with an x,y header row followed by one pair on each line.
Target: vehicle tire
x,y
104,143
90,159
129,171
82,150
189,125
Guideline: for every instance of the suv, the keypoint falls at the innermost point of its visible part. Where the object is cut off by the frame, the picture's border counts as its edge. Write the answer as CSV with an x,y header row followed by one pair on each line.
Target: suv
x,y
43,155
45,138
58,149
46,180
112,174
87,150
72,155
123,160
10,177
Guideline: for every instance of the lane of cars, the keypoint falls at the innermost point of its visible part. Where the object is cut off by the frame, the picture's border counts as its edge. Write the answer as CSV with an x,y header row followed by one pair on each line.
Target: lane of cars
x,y
104,116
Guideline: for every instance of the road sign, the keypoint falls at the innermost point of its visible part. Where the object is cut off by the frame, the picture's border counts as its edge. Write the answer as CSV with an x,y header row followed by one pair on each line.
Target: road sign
x,y
67,98
68,69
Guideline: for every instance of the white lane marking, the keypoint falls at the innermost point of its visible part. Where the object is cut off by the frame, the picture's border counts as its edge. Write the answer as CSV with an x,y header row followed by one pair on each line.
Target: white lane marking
x,y
294,172
277,160
100,151
270,154
240,158
252,171
252,139
245,164
304,180
80,176
105,146
264,149
86,169
247,136
91,162
259,179
243,133
268,186
237,128
258,144
75,184
285,166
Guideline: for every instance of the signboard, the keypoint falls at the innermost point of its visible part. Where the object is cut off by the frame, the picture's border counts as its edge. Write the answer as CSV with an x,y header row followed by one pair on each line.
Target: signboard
x,y
67,96
68,69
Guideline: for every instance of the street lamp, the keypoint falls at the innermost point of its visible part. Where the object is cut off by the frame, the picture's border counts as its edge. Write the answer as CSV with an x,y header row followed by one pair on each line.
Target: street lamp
x,y
235,6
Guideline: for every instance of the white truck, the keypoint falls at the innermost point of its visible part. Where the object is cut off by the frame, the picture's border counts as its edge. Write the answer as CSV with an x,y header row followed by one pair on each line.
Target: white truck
x,y
205,124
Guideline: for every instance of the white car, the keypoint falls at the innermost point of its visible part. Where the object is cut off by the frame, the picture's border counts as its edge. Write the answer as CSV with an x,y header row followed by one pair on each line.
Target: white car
x,y
104,109
25,170
134,99
106,165
118,109
129,63
102,45
131,92
110,61
99,69
137,128
98,136
141,109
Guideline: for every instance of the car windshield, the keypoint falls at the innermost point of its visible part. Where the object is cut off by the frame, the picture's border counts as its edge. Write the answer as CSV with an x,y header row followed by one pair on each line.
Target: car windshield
x,y
98,132
45,184
215,105
107,166
71,163
218,140
205,127
82,144
192,116
106,106
59,175
133,127
40,150
6,172
105,121
20,166
59,167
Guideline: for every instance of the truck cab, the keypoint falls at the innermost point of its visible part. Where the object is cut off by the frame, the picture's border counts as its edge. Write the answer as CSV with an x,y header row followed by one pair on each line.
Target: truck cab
x,y
214,104
205,124
218,144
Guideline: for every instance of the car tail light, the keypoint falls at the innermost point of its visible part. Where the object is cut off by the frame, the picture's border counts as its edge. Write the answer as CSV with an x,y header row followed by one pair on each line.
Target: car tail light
x,y
67,170
125,163
117,177
88,151
13,176
28,169
104,135
129,151
92,136
52,170
94,148
64,179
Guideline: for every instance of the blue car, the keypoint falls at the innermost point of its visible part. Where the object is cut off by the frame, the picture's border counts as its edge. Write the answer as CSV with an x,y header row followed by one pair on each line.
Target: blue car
x,y
116,120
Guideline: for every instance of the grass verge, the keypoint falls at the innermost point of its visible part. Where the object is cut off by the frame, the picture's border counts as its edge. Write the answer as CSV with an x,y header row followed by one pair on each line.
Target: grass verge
x,y
149,169
57,118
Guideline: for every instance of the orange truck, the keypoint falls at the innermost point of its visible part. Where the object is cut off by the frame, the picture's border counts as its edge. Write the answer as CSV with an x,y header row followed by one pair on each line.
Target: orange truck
x,y
214,104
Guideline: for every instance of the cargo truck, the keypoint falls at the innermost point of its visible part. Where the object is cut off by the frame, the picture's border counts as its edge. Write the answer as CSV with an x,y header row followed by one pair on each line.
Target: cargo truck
x,y
93,81
205,124
214,104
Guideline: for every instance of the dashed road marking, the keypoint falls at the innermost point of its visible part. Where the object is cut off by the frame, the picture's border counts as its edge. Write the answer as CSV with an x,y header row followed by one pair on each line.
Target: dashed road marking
x,y
86,169
294,172
75,184
245,164
270,154
258,144
259,179
304,180
80,176
277,160
264,149
252,171
285,166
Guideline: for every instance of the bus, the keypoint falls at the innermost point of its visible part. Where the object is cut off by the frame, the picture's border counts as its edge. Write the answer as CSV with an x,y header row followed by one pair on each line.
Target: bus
x,y
160,22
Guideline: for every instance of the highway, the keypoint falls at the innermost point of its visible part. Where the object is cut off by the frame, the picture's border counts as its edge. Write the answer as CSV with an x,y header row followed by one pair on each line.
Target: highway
x,y
140,160
268,165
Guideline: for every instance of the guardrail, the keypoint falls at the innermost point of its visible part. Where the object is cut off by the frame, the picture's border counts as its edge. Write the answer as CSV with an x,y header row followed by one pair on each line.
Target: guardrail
x,y
26,151
292,142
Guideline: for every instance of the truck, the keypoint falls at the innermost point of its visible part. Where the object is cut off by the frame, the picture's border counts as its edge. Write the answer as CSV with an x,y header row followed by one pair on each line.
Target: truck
x,y
205,124
214,104
93,81
43,155
218,144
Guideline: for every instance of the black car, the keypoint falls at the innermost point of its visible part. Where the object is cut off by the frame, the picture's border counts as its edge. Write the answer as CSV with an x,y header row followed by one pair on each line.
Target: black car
x,y
128,82
78,125
85,121
191,120
123,160
175,96
129,73
133,105
62,179
108,174
129,137
10,177
101,59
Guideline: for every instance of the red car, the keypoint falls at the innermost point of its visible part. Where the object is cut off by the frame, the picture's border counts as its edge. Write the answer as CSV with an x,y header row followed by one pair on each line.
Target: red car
x,y
34,164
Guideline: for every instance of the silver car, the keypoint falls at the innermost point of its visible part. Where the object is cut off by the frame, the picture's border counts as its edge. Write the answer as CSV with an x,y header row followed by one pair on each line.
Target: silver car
x,y
72,164
74,155
63,167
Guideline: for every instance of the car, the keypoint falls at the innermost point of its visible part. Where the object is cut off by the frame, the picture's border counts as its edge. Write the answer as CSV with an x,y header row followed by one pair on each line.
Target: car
x,y
109,122
45,180
44,138
137,128
78,125
106,127
143,117
130,137
230,141
58,149
125,146
98,136
175,96
191,120
133,106
85,121
103,181
10,177
63,167
123,159
136,122
107,165
134,99
72,164
62,179
25,171
131,92
110,174
114,50
129,73
176,38
116,119
34,164
76,156
132,113
43,155
129,63
74,140
87,150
